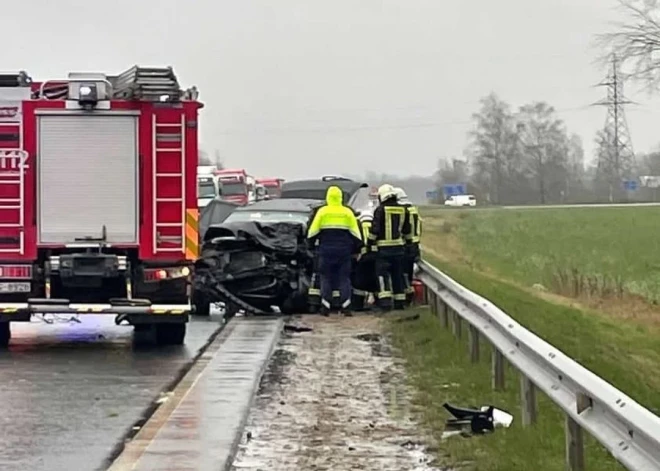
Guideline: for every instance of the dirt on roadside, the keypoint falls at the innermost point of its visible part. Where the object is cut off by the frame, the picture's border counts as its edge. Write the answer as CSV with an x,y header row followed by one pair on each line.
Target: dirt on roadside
x,y
333,398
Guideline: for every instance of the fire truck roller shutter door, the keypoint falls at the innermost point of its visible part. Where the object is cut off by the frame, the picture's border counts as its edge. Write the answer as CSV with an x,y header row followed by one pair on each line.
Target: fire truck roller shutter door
x,y
88,177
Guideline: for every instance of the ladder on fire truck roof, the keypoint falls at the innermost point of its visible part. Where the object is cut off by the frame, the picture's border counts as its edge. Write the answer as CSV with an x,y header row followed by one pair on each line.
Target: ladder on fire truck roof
x,y
147,83
15,79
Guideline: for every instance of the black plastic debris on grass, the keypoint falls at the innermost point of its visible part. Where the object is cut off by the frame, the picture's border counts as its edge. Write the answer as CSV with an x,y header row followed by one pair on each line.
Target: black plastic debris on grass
x,y
479,421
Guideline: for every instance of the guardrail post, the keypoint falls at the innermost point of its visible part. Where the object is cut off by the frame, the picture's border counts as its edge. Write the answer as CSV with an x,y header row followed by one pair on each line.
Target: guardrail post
x,y
473,342
574,445
497,369
432,301
445,316
439,305
425,294
528,400
456,325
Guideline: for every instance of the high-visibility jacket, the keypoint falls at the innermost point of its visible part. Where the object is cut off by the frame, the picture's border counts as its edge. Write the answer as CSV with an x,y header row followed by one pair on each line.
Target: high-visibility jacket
x,y
365,225
391,225
415,223
335,227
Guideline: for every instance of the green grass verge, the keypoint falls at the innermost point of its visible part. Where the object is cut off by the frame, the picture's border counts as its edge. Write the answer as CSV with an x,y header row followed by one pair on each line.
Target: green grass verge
x,y
439,368
588,249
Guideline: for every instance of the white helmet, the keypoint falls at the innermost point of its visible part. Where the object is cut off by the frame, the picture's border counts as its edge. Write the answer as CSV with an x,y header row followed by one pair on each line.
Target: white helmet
x,y
386,192
401,196
366,216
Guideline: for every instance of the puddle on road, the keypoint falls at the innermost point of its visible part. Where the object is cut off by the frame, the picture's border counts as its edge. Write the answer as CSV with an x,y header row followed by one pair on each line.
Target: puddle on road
x,y
334,398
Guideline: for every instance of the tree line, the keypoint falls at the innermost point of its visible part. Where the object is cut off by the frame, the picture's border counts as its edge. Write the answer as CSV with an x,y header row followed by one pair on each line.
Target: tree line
x,y
528,156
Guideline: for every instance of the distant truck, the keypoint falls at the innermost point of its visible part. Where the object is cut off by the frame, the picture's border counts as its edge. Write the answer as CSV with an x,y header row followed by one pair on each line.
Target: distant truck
x,y
208,186
98,200
272,186
237,186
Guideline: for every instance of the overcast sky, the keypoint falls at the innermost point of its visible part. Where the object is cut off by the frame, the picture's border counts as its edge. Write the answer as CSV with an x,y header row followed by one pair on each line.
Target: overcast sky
x,y
299,88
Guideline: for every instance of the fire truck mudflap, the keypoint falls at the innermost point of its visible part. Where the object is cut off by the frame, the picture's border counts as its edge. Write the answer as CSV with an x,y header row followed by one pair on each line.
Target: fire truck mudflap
x,y
98,206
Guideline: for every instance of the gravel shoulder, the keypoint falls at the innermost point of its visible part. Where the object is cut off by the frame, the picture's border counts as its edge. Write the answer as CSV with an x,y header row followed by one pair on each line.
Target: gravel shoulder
x,y
333,398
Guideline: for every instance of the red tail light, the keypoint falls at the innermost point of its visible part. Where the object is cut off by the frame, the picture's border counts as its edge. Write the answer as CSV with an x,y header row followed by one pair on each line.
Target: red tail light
x,y
16,271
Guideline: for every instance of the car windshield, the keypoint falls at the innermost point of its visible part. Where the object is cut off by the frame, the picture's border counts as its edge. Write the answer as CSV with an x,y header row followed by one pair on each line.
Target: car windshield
x,y
206,190
231,189
268,216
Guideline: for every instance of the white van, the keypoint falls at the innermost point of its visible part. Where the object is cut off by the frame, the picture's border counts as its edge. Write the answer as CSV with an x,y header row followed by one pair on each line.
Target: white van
x,y
461,200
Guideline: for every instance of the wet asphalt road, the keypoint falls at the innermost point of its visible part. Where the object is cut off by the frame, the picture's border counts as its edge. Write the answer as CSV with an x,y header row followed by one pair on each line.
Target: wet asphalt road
x,y
70,391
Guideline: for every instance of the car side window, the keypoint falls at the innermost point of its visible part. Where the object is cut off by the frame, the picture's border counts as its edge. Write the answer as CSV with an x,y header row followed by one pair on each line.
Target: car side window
x,y
361,199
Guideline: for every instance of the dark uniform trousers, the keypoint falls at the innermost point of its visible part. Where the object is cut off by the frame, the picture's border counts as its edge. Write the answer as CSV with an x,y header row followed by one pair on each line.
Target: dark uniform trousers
x,y
314,290
365,281
335,271
389,268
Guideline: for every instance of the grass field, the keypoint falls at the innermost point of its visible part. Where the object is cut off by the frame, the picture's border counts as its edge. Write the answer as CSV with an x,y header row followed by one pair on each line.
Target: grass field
x,y
608,258
600,265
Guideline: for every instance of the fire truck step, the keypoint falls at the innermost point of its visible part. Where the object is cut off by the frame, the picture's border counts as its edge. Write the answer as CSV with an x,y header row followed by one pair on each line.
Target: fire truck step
x,y
49,301
169,200
129,302
168,149
178,175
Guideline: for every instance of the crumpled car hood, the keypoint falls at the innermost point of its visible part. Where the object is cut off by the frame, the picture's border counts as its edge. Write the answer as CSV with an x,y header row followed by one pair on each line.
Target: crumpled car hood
x,y
255,266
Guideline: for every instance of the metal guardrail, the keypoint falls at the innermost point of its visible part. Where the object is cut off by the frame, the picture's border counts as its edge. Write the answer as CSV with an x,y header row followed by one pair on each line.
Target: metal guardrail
x,y
630,432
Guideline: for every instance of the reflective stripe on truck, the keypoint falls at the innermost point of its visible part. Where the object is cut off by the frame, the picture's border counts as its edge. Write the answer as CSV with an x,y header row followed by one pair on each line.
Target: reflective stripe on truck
x,y
160,309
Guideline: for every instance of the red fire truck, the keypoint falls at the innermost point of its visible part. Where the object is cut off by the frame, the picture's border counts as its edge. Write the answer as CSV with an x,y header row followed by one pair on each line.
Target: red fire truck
x,y
237,186
98,199
273,186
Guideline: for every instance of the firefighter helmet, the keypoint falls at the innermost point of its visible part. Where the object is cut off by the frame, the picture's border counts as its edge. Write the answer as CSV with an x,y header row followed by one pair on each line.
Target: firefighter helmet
x,y
401,196
366,215
386,192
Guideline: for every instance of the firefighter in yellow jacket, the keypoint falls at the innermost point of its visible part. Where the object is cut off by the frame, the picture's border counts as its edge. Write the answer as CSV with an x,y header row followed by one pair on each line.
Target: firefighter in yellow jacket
x,y
336,229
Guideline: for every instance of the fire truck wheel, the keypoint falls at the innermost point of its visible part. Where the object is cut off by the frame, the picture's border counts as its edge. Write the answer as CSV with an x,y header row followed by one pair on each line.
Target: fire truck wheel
x,y
5,334
170,334
201,306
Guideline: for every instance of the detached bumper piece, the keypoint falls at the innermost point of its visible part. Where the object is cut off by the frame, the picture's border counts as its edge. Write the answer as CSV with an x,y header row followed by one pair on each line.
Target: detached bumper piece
x,y
119,306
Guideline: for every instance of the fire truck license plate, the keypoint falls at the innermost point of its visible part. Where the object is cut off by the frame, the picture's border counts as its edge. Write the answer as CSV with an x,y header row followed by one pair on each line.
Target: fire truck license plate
x,y
15,287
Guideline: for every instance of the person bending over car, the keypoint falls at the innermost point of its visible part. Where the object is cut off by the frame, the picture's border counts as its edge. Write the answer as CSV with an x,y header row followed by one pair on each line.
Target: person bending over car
x,y
336,229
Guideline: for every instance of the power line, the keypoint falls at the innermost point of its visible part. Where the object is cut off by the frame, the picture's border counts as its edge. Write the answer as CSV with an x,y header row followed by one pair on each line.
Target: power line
x,y
367,128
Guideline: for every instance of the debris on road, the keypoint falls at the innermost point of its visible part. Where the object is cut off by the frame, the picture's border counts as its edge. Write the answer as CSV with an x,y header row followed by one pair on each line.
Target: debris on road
x,y
333,399
297,328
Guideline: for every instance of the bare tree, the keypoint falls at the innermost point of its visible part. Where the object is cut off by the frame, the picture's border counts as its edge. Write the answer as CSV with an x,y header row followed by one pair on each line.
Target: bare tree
x,y
492,149
545,147
636,42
